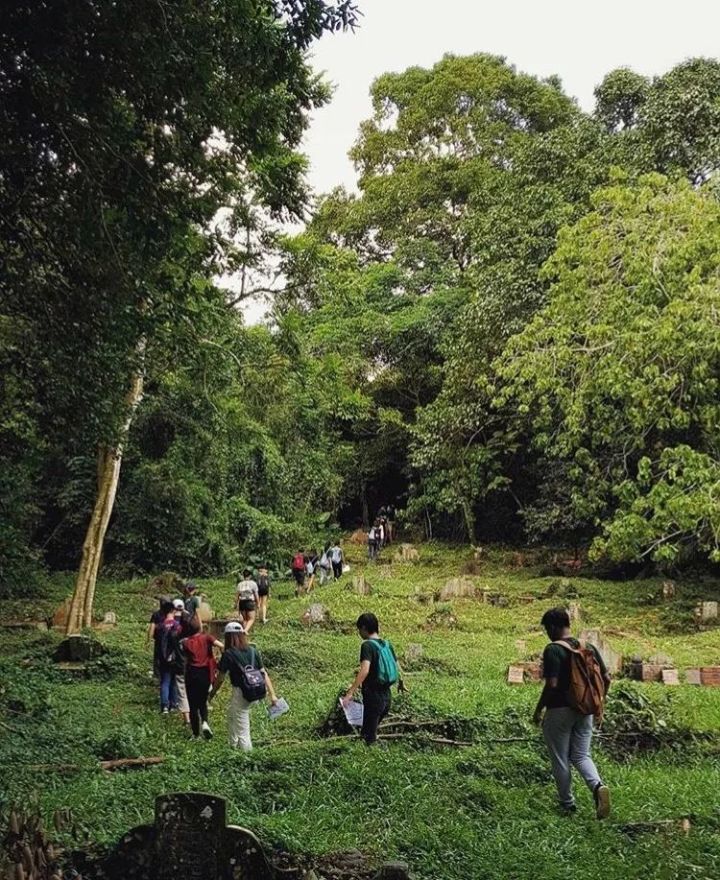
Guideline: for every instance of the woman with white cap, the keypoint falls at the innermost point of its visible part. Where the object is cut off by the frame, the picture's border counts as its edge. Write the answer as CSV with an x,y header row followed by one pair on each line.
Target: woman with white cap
x,y
250,683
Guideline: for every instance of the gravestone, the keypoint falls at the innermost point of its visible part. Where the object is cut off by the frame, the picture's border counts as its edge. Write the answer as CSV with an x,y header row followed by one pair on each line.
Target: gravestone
x,y
457,588
692,676
413,653
516,675
78,649
407,553
668,590
360,586
574,611
670,677
315,615
190,840
706,611
710,676
526,600
613,660
394,871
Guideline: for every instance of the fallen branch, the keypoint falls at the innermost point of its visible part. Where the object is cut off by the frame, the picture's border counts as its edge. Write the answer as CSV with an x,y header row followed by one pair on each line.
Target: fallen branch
x,y
116,764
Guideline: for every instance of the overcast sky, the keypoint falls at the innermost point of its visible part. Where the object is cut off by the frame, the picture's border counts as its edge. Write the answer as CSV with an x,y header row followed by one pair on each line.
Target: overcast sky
x,y
580,40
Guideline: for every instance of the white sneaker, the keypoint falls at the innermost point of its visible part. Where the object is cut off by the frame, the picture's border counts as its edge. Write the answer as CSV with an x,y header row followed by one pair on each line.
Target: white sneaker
x,y
206,732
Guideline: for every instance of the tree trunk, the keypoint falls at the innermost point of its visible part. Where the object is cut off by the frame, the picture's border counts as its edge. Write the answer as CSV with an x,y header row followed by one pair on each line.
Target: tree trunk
x,y
365,508
469,518
109,461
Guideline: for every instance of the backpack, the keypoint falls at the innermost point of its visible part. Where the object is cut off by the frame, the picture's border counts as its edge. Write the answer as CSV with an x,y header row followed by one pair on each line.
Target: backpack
x,y
387,668
586,693
251,682
168,648
298,563
263,581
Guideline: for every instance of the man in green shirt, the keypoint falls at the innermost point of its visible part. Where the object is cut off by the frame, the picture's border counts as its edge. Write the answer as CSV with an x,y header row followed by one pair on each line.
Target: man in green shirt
x,y
567,732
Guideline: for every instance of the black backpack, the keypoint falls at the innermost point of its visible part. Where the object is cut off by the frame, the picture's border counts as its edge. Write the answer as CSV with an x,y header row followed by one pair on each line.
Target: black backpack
x,y
251,681
263,582
168,646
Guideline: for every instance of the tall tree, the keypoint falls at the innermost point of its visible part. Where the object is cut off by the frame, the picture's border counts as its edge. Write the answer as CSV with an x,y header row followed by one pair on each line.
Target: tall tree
x,y
126,128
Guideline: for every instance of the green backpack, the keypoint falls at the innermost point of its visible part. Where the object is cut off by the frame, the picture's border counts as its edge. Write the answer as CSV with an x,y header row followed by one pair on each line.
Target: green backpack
x,y
387,668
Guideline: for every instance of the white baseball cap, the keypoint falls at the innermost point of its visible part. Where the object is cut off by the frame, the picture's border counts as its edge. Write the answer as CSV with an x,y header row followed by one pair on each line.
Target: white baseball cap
x,y
178,603
234,627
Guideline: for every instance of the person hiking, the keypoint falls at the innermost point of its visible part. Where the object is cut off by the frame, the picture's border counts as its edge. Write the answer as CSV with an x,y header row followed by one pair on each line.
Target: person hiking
x,y
297,567
311,567
263,585
337,557
200,668
379,670
182,619
567,724
156,618
250,683
167,637
325,565
192,600
373,541
248,597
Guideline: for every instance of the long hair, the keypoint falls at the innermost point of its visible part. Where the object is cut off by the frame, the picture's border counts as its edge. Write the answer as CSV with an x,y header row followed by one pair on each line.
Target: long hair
x,y
236,640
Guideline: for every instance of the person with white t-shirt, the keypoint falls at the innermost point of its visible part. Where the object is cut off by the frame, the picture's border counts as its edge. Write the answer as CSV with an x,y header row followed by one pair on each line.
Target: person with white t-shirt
x,y
247,598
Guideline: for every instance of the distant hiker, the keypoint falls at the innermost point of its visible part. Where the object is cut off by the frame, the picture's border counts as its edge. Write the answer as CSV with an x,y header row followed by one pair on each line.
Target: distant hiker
x,y
336,559
156,618
576,682
263,584
250,683
248,596
183,620
390,513
379,671
200,668
311,567
167,637
298,571
373,541
325,565
192,600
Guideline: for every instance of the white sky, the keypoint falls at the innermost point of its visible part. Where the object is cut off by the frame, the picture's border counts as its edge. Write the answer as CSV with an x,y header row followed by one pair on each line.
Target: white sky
x,y
580,41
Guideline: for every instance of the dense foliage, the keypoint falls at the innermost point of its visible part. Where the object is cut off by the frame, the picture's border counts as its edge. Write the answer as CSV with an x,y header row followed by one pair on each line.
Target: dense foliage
x,y
509,329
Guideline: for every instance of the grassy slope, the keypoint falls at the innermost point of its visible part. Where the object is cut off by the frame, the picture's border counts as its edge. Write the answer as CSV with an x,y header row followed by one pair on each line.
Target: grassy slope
x,y
476,812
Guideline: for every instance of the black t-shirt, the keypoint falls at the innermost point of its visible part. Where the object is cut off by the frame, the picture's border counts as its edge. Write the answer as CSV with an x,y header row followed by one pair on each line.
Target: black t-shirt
x,y
369,652
235,659
556,664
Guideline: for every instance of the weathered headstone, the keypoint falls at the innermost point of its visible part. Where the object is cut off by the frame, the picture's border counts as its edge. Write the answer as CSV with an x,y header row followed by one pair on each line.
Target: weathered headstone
x,y
190,840
413,653
668,590
670,677
407,553
526,600
710,676
457,588
516,675
642,671
706,611
394,871
612,659
78,649
692,676
574,611
316,614
360,586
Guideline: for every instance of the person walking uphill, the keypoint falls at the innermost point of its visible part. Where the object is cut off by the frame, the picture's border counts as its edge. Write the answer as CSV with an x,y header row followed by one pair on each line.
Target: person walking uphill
x,y
250,683
200,669
576,682
379,671
248,597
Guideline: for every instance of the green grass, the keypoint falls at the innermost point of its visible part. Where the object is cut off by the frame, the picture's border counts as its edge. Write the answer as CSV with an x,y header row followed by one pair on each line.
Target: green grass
x,y
483,811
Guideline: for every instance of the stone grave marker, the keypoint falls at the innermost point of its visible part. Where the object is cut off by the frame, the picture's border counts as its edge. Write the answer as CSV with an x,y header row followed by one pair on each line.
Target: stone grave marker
x,y
360,586
668,590
414,653
710,676
706,611
670,677
315,615
457,588
190,840
516,675
692,676
574,611
613,660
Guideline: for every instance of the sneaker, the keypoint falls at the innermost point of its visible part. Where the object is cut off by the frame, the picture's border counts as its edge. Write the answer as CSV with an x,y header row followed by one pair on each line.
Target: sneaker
x,y
568,810
166,711
206,732
602,801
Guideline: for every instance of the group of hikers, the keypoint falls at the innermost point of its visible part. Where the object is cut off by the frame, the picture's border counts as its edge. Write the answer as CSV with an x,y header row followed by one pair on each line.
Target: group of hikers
x,y
326,566
572,700
381,531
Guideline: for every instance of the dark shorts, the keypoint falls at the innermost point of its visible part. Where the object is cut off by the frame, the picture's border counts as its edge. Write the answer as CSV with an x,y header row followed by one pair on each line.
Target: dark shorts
x,y
246,605
299,576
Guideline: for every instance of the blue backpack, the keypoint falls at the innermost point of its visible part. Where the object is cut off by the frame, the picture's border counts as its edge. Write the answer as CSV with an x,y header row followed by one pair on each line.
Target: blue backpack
x,y
387,668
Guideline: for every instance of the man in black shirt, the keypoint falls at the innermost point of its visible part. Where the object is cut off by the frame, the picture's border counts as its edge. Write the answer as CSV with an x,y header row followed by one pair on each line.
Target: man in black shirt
x,y
375,690
567,732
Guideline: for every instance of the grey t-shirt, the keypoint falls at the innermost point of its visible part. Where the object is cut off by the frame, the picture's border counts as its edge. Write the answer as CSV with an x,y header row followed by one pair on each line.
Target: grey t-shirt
x,y
247,591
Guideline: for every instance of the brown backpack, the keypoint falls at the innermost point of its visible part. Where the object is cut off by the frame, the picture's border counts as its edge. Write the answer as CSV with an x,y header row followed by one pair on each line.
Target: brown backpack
x,y
587,682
